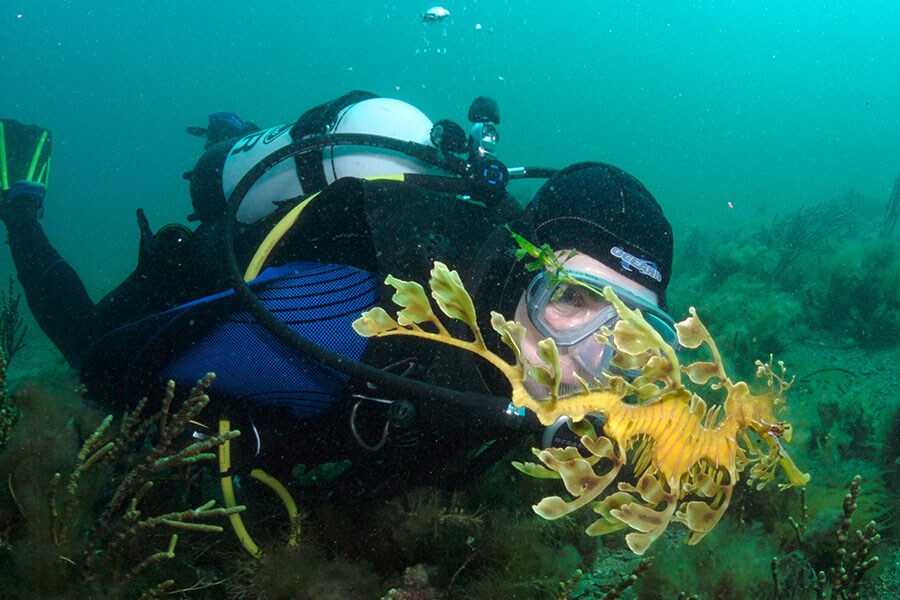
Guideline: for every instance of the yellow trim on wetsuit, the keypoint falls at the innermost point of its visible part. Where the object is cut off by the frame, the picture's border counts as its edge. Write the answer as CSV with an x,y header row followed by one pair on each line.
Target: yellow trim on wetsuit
x,y
286,223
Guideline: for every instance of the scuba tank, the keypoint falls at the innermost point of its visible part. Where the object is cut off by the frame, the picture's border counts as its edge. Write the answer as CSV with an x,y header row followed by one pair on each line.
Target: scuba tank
x,y
358,135
223,166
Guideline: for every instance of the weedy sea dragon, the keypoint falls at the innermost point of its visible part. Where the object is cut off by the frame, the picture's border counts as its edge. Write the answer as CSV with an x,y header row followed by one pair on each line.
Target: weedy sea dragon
x,y
685,456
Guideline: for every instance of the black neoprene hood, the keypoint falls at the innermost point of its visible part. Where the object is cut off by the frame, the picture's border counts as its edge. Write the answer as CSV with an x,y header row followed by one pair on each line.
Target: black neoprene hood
x,y
602,211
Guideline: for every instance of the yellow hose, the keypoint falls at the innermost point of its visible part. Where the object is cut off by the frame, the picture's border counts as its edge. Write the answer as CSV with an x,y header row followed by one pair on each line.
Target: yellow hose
x,y
286,498
268,244
252,272
228,492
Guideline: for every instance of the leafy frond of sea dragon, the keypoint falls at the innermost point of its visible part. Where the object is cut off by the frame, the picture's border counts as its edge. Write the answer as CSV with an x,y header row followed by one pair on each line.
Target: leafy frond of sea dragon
x,y
686,456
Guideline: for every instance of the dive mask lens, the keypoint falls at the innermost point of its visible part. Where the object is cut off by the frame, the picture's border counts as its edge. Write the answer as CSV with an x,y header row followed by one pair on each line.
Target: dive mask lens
x,y
566,312
569,312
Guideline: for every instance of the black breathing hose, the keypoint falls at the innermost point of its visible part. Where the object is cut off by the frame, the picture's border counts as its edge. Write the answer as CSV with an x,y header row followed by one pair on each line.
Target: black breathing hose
x,y
488,406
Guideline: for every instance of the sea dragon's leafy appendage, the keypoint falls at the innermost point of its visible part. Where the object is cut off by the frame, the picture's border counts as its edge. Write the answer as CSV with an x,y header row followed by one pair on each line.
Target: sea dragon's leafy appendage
x,y
686,457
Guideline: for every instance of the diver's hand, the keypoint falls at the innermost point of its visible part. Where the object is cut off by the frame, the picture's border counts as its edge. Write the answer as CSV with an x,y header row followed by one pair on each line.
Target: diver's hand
x,y
23,200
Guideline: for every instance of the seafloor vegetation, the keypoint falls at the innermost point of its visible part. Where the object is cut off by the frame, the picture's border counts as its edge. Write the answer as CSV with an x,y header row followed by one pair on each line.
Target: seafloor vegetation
x,y
122,508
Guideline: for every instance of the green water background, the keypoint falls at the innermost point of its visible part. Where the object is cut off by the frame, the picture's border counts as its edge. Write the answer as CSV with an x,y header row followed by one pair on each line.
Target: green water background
x,y
763,105
731,113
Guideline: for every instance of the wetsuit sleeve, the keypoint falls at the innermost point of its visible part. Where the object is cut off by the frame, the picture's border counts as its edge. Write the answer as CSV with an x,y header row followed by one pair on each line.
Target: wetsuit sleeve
x,y
54,291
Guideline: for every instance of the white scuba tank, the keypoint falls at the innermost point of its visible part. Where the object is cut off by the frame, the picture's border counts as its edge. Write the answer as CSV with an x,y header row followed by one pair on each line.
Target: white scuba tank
x,y
377,116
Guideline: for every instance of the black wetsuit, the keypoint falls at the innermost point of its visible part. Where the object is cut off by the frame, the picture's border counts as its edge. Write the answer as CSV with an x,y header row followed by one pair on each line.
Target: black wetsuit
x,y
384,227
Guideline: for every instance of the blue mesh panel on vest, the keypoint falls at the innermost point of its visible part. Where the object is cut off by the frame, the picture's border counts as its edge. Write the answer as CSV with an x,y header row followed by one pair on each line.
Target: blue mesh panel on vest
x,y
319,302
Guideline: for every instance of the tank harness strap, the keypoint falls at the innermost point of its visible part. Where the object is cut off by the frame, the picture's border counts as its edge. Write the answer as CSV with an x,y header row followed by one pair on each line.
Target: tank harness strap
x,y
310,170
317,121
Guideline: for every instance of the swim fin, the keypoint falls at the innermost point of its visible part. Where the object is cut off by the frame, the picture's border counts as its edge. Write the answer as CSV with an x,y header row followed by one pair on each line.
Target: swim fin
x,y
24,153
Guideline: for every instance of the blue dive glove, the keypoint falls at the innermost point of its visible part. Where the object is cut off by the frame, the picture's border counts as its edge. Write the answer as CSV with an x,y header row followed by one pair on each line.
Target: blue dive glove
x,y
23,199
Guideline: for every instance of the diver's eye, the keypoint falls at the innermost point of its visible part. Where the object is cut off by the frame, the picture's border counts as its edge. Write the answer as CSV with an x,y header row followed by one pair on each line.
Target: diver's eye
x,y
574,304
571,298
568,295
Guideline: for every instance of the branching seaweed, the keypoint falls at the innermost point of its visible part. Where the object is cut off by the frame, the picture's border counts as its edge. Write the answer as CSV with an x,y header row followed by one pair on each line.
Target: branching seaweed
x,y
147,447
853,551
12,330
811,227
891,211
12,339
846,561
8,413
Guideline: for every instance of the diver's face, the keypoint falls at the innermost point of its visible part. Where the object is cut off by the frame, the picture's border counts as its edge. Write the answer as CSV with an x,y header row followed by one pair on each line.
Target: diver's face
x,y
587,358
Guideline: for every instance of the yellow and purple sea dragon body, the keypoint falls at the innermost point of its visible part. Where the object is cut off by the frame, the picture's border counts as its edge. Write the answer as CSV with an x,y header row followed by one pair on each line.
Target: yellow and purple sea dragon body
x,y
686,456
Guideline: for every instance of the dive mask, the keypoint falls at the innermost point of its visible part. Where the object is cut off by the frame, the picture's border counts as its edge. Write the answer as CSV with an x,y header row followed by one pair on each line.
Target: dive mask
x,y
571,313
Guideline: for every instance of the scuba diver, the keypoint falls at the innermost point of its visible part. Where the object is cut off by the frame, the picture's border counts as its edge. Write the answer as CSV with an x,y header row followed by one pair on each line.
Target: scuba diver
x,y
298,226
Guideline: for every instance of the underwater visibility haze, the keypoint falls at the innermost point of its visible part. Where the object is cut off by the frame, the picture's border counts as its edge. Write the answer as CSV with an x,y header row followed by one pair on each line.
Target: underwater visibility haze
x,y
769,133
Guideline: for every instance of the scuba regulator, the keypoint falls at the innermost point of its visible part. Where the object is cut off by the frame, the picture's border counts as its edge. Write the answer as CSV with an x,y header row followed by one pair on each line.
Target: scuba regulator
x,y
487,173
